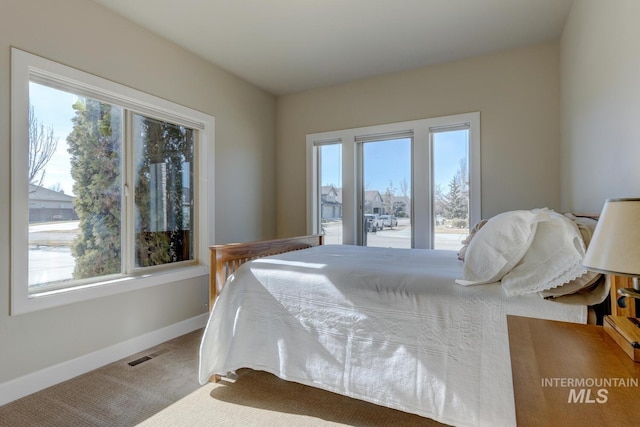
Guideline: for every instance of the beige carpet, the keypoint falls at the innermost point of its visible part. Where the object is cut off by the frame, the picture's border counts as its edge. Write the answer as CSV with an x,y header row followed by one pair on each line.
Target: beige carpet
x,y
117,394
163,391
261,399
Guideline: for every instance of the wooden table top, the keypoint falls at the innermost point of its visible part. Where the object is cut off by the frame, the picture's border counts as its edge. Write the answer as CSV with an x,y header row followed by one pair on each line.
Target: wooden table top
x,y
571,375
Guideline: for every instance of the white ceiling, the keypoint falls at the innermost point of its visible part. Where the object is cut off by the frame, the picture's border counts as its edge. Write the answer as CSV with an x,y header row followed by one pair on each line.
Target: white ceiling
x,y
286,46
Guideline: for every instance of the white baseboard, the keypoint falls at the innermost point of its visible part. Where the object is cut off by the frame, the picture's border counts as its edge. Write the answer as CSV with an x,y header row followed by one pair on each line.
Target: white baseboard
x,y
36,381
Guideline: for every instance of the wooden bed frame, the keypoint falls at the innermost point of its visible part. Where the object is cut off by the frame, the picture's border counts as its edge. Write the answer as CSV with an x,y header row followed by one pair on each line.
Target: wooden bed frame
x,y
225,259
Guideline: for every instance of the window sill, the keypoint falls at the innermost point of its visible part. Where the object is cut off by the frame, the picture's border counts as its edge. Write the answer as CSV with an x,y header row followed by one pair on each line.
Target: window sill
x,y
22,304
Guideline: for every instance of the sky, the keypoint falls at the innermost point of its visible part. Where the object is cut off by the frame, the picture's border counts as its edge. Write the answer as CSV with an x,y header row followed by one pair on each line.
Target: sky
x,y
52,107
391,161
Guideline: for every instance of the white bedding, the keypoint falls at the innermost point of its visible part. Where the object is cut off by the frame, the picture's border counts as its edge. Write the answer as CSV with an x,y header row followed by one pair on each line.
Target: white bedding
x,y
388,326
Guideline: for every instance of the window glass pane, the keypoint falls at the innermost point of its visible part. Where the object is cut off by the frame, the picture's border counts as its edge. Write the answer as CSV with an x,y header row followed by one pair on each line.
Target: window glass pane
x,y
451,188
74,172
386,167
331,192
163,158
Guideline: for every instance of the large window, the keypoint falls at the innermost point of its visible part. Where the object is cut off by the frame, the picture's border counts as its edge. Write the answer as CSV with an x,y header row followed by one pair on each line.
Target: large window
x,y
409,184
109,186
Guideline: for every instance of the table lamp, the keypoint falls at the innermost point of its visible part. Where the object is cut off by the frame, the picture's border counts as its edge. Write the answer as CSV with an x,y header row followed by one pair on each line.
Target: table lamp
x,y
615,249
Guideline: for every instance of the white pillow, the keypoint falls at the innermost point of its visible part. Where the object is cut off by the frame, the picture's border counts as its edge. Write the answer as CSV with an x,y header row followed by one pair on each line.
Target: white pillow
x,y
554,258
499,245
586,226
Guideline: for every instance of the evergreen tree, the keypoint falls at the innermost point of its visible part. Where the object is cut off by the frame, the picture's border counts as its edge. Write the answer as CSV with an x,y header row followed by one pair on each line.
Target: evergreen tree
x,y
456,205
95,147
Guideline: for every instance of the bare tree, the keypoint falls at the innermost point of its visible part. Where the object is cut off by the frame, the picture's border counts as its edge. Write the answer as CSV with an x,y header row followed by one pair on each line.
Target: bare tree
x,y
388,198
57,187
42,145
404,187
439,202
462,175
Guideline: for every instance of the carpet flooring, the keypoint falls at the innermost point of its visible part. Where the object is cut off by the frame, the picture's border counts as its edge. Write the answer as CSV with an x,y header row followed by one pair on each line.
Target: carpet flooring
x,y
161,389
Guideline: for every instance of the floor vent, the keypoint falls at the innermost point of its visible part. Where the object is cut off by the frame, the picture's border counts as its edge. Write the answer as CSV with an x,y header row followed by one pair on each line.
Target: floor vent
x,y
159,352
139,361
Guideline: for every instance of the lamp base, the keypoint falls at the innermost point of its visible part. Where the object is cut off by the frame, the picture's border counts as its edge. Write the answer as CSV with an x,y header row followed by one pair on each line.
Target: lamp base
x,y
626,333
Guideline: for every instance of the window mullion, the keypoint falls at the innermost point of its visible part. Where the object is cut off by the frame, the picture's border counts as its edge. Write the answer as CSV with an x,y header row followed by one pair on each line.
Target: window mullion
x,y
128,192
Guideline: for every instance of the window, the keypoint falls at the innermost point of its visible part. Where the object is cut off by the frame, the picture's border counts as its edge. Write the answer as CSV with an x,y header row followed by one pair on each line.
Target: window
x,y
384,189
329,190
106,188
450,186
409,184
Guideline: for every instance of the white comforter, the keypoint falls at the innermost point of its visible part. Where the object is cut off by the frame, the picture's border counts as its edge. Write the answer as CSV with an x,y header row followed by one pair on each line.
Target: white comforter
x,y
388,326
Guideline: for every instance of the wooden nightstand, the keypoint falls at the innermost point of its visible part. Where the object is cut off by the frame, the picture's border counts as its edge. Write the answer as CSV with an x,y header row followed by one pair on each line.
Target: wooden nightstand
x,y
571,374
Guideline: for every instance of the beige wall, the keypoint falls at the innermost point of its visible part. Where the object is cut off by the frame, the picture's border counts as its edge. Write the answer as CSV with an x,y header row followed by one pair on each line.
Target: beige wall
x,y
83,35
517,93
600,103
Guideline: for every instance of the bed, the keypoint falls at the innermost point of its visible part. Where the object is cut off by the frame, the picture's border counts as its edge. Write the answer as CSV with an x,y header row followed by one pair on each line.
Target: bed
x,y
388,326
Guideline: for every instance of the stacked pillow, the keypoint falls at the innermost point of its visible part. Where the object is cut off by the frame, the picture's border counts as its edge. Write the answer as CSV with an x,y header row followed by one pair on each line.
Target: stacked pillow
x,y
499,245
537,251
553,259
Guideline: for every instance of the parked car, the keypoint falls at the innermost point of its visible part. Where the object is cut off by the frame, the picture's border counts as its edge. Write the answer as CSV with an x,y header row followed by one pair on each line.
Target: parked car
x,y
372,222
389,221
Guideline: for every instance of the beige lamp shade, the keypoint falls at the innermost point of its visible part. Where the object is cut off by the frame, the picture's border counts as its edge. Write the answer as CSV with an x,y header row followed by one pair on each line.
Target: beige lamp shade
x,y
615,246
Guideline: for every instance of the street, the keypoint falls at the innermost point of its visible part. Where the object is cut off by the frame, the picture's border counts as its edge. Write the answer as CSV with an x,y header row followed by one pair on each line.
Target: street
x,y
397,237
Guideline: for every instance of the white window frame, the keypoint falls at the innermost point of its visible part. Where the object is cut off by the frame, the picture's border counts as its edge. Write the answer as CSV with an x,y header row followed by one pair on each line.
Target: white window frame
x,y
421,203
26,67
314,210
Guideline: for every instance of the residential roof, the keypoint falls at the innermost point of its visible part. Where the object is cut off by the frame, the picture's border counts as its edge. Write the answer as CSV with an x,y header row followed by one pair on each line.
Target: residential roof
x,y
40,193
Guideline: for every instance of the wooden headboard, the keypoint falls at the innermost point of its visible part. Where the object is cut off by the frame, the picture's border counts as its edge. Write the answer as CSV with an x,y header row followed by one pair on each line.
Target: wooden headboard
x,y
225,259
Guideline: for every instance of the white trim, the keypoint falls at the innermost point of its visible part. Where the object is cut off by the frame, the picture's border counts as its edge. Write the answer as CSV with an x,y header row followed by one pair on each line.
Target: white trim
x,y
312,187
36,381
23,303
62,77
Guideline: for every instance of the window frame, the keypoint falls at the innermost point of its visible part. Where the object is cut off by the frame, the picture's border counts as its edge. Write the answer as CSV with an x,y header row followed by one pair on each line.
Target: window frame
x,y
315,165
421,179
25,68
